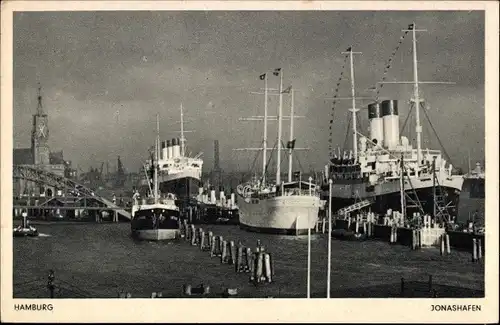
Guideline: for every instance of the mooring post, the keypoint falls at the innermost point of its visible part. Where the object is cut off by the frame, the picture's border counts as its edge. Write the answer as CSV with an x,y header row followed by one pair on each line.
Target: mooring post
x,y
402,286
474,249
50,283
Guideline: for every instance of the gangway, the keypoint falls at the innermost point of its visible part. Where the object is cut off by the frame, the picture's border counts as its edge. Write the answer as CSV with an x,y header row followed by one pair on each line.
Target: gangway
x,y
37,175
354,207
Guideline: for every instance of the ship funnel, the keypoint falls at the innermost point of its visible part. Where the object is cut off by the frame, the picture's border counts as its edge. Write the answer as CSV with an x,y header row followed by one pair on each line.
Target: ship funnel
x,y
163,152
176,149
169,150
391,123
376,123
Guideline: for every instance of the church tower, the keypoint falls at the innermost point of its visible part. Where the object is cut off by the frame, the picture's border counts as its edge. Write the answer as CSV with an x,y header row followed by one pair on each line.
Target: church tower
x,y
40,135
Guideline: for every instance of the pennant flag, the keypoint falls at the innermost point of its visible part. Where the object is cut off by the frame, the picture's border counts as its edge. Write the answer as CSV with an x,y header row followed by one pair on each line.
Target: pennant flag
x,y
287,91
290,144
277,71
262,76
349,49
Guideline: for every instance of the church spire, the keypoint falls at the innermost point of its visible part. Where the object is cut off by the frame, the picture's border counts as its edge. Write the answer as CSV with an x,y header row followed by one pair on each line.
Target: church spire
x,y
39,108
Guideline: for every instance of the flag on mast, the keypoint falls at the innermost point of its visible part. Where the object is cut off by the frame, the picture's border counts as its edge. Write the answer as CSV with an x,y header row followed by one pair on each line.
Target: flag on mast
x,y
262,76
410,27
277,71
290,144
349,49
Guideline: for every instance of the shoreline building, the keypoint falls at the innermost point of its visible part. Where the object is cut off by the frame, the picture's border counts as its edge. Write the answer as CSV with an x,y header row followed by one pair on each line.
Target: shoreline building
x,y
40,156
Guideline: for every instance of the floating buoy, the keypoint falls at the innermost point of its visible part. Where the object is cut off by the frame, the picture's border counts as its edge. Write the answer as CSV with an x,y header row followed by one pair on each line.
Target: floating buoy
x,y
230,292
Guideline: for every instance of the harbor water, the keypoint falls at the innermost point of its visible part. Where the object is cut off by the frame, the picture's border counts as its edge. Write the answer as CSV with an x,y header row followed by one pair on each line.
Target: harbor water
x,y
102,261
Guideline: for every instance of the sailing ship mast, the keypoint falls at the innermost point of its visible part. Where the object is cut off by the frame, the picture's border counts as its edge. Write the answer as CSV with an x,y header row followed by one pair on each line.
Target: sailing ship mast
x,y
280,120
354,110
157,143
264,143
291,144
416,94
416,97
183,139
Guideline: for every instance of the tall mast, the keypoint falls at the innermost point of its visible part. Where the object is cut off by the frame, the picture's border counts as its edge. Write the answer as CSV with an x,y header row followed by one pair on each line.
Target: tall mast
x,y
183,140
402,188
416,95
264,143
468,161
157,142
290,149
354,110
280,119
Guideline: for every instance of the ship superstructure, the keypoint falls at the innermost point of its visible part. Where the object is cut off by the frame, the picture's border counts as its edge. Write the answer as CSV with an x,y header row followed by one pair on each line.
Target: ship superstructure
x,y
384,164
179,172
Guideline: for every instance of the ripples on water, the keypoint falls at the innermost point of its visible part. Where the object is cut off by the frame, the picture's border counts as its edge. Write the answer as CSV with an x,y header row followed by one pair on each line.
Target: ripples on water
x,y
103,260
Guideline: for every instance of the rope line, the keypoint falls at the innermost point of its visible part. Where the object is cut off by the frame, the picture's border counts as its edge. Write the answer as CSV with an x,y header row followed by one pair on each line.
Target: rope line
x,y
388,65
342,70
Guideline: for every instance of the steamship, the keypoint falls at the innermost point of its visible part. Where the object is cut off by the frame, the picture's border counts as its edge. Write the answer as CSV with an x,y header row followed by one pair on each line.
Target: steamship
x,y
155,217
472,197
289,208
386,165
179,173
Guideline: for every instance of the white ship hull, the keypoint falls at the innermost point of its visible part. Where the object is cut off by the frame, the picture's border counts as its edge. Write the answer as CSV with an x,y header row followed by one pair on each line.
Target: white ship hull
x,y
187,173
157,234
290,215
355,190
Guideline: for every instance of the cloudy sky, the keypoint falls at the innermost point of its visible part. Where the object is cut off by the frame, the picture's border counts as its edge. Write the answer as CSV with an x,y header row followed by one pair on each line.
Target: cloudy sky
x,y
105,75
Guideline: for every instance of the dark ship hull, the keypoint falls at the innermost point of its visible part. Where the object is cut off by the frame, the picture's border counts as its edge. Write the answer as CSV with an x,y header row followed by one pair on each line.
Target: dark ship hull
x,y
472,201
184,188
155,224
212,214
392,200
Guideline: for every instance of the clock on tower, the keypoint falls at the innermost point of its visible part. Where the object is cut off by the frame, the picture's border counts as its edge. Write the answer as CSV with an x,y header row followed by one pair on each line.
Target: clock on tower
x,y
40,134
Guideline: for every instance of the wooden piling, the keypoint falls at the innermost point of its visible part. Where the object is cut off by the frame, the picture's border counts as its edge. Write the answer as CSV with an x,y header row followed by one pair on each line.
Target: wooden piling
x,y
223,255
474,250
479,249
239,259
430,282
268,267
193,235
202,240
447,243
249,258
232,253
402,286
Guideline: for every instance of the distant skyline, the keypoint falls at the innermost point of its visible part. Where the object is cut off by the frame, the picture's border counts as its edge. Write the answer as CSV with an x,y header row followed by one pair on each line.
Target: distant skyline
x,y
105,75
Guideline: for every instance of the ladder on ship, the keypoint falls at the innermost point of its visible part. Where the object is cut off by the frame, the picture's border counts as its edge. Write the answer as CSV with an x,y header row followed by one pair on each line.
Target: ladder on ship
x,y
354,207
440,207
410,198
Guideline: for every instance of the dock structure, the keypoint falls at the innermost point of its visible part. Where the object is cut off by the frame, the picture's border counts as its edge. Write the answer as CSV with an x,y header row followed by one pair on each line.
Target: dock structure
x,y
65,195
